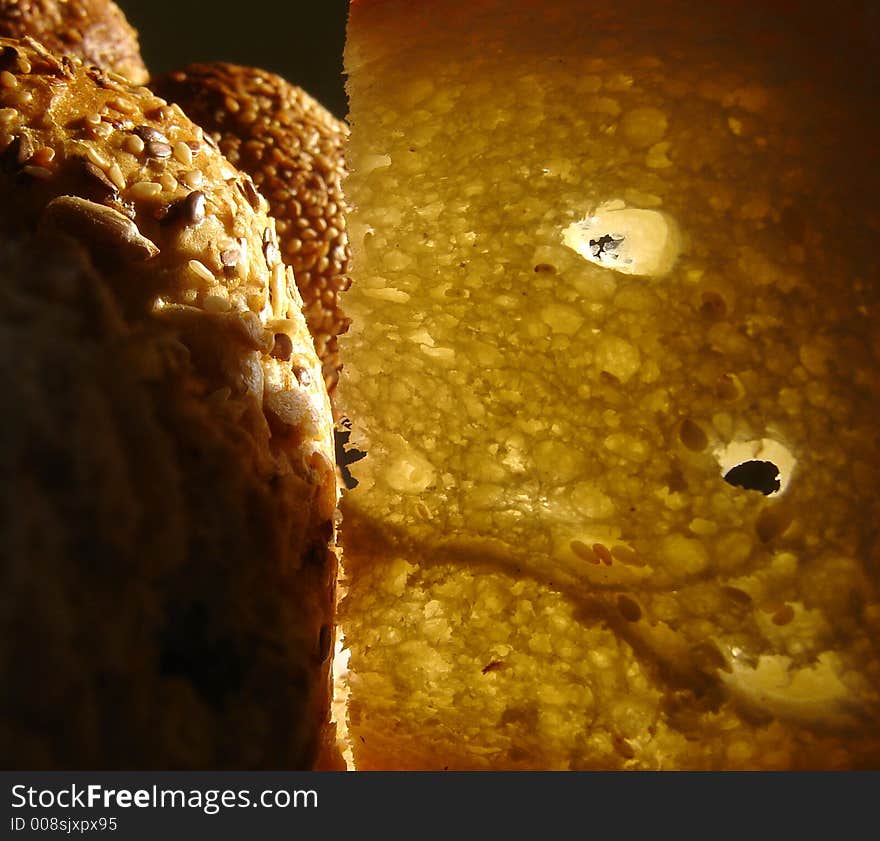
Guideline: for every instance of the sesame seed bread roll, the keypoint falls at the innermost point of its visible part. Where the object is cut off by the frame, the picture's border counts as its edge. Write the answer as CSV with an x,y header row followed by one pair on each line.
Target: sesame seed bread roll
x,y
96,31
168,519
293,149
614,361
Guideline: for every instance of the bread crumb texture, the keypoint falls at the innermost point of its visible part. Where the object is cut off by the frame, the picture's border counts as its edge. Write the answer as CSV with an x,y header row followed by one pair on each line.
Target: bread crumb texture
x,y
169,496
293,149
96,31
614,362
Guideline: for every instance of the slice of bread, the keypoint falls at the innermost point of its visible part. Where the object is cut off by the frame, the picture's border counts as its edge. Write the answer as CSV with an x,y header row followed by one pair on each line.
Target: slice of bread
x,y
614,363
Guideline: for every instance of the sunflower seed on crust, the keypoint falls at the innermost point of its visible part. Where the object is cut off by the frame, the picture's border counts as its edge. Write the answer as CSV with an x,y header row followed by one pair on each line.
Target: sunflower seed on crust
x,y
100,226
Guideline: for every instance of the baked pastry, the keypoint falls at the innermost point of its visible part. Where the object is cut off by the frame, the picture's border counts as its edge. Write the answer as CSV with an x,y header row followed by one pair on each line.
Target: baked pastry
x,y
96,31
293,149
614,362
169,486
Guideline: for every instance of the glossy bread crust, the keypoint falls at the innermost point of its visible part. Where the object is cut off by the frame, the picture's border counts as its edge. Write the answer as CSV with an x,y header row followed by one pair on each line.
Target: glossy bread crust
x,y
96,31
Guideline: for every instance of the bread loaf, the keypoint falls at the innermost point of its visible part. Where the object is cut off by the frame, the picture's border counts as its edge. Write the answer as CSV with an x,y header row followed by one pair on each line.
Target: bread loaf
x,y
614,362
169,493
292,147
94,30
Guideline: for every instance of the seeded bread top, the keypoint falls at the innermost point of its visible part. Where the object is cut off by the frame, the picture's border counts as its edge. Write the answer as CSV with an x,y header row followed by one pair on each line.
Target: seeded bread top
x,y
292,147
114,165
172,490
94,30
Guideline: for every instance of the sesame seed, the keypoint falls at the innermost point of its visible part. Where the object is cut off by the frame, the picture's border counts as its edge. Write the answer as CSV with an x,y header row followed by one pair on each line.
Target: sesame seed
x,y
192,179
144,190
168,182
200,270
183,153
278,291
7,115
24,66
123,106
92,119
97,158
8,80
116,176
133,144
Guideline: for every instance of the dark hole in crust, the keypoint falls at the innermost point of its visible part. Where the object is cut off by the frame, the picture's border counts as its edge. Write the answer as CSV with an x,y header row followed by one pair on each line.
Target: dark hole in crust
x,y
755,475
191,647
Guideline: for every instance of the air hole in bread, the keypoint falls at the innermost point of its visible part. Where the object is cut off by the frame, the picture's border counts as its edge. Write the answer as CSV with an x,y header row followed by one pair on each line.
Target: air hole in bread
x,y
762,464
754,475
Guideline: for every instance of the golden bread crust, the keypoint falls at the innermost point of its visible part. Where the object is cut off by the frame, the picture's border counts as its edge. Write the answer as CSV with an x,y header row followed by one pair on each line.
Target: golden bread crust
x,y
293,149
94,30
170,515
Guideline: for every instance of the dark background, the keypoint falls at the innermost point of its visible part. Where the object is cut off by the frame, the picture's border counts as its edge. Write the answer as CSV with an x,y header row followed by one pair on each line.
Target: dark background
x,y
301,40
